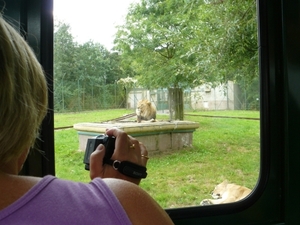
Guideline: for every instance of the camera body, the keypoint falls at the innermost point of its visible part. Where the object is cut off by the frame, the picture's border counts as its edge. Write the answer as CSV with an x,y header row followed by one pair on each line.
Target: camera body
x,y
92,144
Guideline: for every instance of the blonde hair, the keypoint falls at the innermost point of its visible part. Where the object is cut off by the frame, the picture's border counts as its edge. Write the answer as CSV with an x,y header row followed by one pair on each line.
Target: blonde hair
x,y
23,94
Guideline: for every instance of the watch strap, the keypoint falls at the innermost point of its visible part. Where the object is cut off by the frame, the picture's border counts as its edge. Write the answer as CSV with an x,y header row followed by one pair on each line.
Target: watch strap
x,y
128,168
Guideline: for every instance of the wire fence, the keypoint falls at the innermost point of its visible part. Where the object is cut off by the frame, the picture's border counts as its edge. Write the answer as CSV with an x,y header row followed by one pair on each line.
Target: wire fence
x,y
230,97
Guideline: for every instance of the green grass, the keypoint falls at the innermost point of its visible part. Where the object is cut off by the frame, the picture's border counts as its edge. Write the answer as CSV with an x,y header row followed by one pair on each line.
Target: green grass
x,y
229,113
68,160
68,119
223,148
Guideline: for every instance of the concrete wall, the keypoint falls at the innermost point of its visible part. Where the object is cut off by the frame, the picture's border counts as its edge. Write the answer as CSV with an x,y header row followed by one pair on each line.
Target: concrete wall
x,y
205,97
157,136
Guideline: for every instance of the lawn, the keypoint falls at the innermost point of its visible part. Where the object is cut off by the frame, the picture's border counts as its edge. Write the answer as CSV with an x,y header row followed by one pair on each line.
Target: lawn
x,y
223,148
68,119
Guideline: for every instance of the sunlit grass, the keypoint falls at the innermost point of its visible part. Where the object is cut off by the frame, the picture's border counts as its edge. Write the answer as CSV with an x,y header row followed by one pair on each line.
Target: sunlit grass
x,y
223,148
68,119
229,113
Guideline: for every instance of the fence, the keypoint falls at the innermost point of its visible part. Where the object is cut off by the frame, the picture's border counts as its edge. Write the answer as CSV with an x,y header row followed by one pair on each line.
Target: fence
x,y
91,97
205,97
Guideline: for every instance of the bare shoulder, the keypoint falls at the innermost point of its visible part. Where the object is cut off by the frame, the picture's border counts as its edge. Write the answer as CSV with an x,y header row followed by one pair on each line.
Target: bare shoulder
x,y
138,204
14,187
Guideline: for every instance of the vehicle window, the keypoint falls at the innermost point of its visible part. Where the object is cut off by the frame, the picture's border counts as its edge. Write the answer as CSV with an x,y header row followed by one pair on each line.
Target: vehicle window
x,y
195,61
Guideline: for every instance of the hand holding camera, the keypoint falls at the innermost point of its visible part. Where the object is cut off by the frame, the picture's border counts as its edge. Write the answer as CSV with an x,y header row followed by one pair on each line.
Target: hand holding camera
x,y
92,144
116,155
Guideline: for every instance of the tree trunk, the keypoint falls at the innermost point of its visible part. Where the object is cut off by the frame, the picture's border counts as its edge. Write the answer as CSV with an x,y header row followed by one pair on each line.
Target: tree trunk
x,y
176,103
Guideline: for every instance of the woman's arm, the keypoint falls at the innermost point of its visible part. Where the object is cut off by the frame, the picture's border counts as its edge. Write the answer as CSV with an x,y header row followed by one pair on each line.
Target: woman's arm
x,y
138,204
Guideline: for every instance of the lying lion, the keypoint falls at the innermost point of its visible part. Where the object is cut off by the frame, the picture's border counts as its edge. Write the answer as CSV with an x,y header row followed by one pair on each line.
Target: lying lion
x,y
226,193
145,110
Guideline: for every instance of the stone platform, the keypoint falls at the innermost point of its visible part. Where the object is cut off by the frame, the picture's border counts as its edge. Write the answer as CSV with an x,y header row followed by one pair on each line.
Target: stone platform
x,y
156,136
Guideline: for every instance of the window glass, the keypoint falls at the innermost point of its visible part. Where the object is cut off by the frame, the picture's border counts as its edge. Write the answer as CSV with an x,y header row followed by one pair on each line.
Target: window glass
x,y
195,61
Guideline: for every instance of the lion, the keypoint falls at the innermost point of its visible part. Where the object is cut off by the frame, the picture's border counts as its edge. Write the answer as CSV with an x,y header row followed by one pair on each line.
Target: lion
x,y
226,193
145,110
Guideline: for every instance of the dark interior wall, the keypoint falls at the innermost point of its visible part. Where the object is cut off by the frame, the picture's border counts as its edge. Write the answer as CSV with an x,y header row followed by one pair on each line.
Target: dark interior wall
x,y
34,20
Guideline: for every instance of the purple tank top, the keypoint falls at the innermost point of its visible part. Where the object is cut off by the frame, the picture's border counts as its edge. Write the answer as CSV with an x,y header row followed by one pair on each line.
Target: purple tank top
x,y
56,201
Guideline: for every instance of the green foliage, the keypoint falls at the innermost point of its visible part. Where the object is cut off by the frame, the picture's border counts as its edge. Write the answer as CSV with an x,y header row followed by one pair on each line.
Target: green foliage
x,y
152,39
174,43
184,44
64,50
224,44
81,71
223,148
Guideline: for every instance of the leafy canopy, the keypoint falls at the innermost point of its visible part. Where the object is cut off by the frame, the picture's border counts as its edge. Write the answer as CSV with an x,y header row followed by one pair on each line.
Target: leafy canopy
x,y
185,43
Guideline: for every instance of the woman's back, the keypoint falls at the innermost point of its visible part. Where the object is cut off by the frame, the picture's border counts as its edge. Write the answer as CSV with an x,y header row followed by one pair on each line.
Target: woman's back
x,y
55,201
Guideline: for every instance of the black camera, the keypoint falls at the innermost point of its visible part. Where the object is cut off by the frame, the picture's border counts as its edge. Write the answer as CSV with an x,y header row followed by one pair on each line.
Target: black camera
x,y
92,144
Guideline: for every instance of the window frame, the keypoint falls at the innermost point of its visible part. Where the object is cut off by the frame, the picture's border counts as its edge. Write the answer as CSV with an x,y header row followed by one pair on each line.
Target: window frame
x,y
272,201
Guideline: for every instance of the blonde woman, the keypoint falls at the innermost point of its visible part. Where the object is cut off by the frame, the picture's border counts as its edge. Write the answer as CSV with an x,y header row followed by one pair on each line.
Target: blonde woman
x,y
110,198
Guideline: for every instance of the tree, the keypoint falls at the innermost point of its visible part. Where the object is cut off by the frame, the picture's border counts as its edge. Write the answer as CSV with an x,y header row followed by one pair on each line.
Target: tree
x,y
153,39
226,43
179,44
64,49
85,74
229,49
